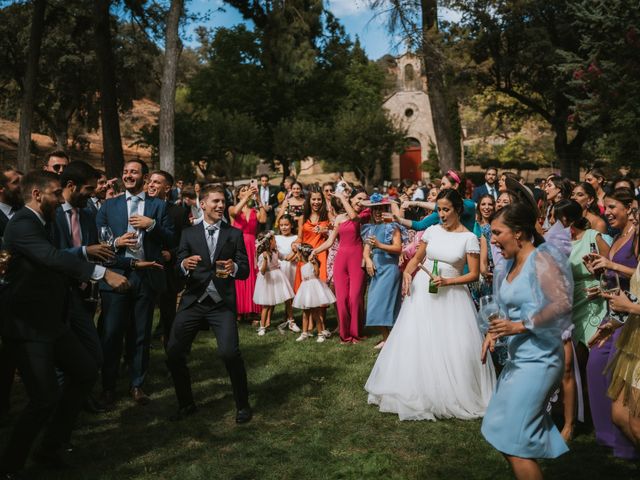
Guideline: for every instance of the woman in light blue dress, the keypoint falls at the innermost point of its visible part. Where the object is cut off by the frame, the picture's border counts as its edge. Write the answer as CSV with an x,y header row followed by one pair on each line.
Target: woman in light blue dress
x,y
534,288
382,249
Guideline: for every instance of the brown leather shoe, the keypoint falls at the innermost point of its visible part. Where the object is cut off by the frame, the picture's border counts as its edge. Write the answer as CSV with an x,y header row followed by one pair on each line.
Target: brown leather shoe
x,y
139,396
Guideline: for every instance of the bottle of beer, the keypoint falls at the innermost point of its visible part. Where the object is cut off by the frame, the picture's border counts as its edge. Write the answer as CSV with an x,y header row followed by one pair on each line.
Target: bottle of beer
x,y
433,288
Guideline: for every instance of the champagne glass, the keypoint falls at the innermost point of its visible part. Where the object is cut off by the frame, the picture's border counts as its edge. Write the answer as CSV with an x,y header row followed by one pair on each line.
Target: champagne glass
x,y
610,283
138,246
106,237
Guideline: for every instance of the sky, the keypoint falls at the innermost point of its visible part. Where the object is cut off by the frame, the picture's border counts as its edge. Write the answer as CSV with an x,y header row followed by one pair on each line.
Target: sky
x,y
355,15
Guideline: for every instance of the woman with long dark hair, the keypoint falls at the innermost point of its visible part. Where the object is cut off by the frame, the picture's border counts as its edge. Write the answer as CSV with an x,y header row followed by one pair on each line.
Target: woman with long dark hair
x,y
596,178
313,229
429,365
585,195
621,262
533,288
348,275
555,190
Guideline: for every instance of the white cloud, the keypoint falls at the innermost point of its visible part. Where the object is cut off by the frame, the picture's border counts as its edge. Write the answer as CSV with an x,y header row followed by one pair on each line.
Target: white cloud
x,y
347,8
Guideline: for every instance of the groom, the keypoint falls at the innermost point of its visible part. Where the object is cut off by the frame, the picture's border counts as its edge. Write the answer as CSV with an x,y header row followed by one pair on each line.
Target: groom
x,y
211,256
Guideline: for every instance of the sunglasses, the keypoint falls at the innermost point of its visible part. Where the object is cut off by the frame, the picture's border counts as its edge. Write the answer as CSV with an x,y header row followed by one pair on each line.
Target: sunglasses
x,y
58,167
328,190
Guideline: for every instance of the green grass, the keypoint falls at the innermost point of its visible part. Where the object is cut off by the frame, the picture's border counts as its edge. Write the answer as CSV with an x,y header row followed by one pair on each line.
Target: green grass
x,y
311,421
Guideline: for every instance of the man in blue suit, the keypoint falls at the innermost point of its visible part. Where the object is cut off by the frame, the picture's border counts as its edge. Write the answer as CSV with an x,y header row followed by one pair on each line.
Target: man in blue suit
x,y
141,228
490,187
75,231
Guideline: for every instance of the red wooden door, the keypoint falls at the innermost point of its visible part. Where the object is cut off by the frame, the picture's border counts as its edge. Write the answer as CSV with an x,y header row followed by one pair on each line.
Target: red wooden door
x,y
410,162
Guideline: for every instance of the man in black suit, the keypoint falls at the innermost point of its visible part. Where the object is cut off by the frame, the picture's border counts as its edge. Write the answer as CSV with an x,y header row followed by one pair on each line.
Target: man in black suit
x,y
159,186
99,194
75,232
490,187
34,329
268,198
10,203
212,256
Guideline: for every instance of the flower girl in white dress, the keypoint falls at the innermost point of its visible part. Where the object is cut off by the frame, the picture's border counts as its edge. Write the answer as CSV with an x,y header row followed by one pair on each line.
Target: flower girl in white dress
x,y
272,287
313,293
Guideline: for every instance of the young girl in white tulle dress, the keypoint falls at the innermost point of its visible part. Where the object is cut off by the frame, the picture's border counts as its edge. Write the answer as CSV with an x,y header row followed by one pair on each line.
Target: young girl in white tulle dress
x,y
272,287
284,242
313,294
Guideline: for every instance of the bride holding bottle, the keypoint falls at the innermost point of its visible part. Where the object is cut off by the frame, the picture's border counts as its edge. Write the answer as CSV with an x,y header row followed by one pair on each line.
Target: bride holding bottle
x,y
429,367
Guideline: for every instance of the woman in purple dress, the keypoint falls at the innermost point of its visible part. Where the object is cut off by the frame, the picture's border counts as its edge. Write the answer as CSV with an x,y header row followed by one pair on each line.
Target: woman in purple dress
x,y
621,261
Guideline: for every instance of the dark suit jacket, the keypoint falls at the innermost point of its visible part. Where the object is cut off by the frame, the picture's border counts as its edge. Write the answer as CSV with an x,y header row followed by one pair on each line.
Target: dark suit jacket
x,y
114,213
34,301
3,224
62,236
179,217
230,245
480,191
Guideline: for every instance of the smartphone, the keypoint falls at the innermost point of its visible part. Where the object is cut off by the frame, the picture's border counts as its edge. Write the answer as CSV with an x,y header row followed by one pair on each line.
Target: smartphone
x,y
254,183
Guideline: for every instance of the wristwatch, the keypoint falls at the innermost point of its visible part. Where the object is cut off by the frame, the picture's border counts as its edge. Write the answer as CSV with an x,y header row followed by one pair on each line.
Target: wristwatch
x,y
134,263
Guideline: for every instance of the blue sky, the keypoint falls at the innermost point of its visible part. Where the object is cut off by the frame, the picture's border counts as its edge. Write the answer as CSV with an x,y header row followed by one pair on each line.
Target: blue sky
x,y
357,18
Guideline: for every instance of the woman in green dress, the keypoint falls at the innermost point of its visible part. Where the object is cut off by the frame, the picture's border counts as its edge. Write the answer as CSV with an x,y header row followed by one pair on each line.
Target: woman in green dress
x,y
587,313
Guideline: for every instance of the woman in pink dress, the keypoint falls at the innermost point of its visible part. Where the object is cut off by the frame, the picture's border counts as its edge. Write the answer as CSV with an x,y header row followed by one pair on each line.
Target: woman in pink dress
x,y
348,276
246,215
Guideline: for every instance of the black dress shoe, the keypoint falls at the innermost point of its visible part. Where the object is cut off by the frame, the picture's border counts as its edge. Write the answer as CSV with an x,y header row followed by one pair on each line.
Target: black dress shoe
x,y
55,459
184,412
244,415
12,476
91,405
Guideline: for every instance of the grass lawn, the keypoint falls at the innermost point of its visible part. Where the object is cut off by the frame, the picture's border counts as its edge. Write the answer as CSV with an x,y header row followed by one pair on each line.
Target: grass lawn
x,y
311,421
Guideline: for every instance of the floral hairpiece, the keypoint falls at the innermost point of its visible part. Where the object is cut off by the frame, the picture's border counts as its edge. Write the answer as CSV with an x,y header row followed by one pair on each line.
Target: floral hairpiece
x,y
267,237
376,198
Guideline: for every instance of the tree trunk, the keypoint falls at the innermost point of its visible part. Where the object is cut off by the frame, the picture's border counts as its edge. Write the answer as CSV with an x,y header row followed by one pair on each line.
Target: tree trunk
x,y
29,85
111,140
447,143
166,123
569,153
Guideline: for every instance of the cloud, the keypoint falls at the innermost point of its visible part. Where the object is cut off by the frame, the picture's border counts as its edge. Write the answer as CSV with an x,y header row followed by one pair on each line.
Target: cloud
x,y
348,8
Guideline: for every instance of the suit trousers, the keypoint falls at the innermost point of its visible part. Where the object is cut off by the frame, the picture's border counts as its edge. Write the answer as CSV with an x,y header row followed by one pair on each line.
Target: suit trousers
x,y
7,372
167,302
80,320
131,309
222,321
37,362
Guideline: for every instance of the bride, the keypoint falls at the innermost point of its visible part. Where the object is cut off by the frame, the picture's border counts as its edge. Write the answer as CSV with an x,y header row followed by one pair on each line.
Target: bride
x,y
430,366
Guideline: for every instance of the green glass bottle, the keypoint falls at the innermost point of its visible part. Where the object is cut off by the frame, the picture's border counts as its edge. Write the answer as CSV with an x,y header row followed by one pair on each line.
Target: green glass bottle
x,y
433,288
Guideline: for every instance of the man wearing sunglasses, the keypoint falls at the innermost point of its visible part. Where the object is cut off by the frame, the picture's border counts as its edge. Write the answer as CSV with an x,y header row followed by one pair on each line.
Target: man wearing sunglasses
x,y
55,162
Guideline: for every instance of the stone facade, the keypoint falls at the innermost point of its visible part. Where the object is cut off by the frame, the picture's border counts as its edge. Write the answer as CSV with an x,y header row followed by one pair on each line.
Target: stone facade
x,y
409,105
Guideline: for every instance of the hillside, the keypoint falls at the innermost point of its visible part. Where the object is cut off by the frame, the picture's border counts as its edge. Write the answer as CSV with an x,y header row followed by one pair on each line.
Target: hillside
x,y
144,112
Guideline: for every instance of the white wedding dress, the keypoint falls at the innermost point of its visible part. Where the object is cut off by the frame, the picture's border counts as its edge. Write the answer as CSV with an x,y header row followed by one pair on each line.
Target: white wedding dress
x,y
430,366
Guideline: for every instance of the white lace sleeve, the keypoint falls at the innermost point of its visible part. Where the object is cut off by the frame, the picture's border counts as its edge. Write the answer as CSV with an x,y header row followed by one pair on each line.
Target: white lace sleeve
x,y
472,245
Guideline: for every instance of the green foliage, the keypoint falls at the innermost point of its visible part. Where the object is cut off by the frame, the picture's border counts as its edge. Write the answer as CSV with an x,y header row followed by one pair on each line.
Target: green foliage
x,y
606,74
67,87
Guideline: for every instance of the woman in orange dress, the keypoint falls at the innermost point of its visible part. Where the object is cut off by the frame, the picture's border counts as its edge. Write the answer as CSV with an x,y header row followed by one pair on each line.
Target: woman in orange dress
x,y
313,228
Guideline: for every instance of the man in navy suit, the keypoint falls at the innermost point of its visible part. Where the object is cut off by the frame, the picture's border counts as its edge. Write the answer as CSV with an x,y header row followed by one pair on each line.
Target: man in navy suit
x,y
142,228
490,187
75,232
209,297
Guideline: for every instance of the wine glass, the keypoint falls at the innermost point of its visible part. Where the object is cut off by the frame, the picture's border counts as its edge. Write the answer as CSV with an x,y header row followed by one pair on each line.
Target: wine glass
x,y
610,283
138,246
106,237
490,311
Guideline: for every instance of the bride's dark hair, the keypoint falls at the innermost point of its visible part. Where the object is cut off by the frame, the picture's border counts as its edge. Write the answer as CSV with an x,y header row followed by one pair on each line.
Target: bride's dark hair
x,y
454,197
520,217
